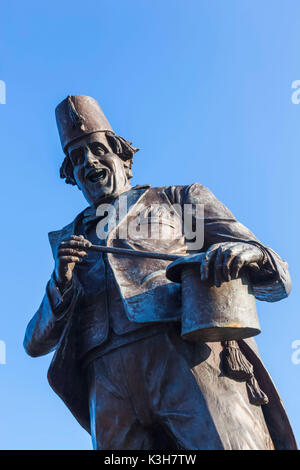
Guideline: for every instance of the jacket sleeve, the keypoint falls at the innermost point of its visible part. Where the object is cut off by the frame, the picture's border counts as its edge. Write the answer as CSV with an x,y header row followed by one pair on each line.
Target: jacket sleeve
x,y
46,327
270,280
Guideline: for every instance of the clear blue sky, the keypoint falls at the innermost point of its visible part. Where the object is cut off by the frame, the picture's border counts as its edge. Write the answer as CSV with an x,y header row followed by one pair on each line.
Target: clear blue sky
x,y
203,87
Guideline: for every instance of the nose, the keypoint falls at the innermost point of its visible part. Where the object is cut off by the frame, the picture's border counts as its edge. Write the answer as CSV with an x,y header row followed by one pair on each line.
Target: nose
x,y
89,158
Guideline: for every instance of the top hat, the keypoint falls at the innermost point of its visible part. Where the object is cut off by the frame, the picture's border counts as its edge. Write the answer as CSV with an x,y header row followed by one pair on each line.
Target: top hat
x,y
211,313
78,116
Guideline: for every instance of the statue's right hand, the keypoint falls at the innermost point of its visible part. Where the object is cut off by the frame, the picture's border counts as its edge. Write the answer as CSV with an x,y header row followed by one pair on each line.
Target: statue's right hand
x,y
70,252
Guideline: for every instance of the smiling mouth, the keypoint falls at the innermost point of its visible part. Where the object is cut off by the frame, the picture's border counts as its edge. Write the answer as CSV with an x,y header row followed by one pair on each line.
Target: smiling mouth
x,y
97,175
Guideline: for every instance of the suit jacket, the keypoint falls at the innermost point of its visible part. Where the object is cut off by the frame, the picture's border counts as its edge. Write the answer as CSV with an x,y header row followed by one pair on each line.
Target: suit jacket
x,y
147,294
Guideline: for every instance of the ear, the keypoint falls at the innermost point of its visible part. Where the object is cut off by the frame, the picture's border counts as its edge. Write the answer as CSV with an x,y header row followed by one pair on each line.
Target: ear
x,y
127,165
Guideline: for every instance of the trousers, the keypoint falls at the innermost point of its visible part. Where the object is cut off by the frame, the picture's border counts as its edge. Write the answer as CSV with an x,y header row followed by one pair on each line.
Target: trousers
x,y
161,392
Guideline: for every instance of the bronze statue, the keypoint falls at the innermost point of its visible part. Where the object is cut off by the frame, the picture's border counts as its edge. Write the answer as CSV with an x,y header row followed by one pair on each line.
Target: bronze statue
x,y
121,364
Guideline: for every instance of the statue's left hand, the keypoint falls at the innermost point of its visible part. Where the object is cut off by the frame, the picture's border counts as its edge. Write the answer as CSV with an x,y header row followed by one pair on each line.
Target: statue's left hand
x,y
225,260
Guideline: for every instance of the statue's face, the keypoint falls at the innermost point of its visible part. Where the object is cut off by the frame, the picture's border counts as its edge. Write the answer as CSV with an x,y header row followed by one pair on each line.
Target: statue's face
x,y
98,172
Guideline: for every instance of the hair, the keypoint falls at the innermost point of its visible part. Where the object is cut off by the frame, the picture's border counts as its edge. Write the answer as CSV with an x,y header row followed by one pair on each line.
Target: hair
x,y
119,146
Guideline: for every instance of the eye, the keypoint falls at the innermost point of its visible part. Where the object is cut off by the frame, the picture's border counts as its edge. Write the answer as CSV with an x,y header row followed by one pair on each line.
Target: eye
x,y
97,149
77,156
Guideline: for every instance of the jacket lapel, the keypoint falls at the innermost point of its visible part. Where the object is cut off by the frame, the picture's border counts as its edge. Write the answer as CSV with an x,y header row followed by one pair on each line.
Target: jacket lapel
x,y
57,236
124,206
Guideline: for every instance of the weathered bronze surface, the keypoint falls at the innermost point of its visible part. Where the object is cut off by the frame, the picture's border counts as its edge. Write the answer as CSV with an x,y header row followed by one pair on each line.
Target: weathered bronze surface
x,y
115,321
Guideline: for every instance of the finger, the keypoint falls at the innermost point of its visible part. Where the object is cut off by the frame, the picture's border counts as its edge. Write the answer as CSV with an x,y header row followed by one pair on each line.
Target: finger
x,y
204,266
71,252
78,238
70,259
229,257
75,244
218,267
236,266
207,259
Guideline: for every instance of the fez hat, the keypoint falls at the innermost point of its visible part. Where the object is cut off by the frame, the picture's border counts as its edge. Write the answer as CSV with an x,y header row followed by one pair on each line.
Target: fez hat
x,y
78,116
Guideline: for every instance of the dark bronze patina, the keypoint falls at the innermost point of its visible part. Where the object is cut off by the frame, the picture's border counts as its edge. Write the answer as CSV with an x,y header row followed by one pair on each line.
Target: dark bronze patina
x,y
211,313
117,311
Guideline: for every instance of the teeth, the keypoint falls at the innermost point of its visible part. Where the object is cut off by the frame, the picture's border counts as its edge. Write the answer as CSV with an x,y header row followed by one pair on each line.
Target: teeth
x,y
98,175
